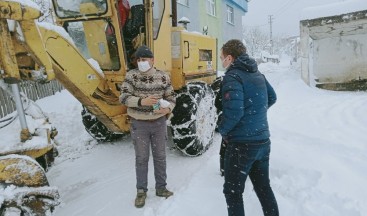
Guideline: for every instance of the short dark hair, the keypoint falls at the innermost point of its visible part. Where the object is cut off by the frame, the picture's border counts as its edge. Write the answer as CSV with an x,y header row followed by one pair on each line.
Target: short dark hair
x,y
234,48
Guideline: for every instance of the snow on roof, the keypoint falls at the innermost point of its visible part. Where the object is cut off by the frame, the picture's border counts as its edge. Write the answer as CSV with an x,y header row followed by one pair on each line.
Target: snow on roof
x,y
334,9
28,3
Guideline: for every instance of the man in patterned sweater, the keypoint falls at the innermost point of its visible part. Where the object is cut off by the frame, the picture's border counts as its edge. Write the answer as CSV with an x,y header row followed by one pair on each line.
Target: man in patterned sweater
x,y
149,96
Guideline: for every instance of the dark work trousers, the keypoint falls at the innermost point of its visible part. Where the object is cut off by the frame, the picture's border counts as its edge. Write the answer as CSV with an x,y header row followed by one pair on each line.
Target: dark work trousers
x,y
222,152
248,159
146,134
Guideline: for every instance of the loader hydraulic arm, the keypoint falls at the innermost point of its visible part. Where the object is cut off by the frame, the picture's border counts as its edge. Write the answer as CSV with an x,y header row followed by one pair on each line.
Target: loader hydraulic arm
x,y
52,49
25,15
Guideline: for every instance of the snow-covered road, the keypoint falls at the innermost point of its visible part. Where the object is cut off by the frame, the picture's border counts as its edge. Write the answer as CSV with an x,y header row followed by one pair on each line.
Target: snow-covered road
x,y
318,160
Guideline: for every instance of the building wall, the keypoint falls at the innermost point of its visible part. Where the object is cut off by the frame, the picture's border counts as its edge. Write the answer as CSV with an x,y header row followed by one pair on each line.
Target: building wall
x,y
218,26
191,11
340,59
333,51
213,22
233,31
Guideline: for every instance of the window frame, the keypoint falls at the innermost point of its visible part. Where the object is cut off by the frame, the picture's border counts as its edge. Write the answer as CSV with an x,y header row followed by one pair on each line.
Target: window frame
x,y
211,7
58,12
159,18
183,2
230,14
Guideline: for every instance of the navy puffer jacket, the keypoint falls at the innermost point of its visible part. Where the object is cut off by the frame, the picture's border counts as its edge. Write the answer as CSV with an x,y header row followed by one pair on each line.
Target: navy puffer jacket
x,y
246,97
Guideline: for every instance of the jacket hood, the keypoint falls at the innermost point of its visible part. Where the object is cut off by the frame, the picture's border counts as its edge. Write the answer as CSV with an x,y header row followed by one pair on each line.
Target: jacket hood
x,y
244,63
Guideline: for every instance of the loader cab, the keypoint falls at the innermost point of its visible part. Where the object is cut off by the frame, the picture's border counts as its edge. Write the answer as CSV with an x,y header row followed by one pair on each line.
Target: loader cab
x,y
107,31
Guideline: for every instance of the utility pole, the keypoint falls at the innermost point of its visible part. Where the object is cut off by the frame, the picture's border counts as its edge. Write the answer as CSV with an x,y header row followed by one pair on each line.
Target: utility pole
x,y
271,33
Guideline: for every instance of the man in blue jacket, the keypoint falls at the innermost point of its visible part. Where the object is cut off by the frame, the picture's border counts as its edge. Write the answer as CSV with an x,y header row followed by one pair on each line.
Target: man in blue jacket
x,y
246,98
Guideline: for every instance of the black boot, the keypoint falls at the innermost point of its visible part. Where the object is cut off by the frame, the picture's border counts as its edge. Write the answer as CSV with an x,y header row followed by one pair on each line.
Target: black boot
x,y
221,157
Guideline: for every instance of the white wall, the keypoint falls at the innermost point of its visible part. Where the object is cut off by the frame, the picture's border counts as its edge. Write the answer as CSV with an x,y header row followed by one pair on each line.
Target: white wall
x,y
340,59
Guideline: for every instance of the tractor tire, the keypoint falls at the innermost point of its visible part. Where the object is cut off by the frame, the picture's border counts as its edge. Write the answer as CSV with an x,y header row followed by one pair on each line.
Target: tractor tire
x,y
97,129
194,119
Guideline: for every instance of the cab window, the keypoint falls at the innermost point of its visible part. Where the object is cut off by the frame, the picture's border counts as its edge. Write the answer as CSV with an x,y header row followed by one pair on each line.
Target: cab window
x,y
78,8
158,10
96,39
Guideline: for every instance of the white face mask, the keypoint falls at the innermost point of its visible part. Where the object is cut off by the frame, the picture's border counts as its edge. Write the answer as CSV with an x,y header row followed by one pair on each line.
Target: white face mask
x,y
144,66
225,67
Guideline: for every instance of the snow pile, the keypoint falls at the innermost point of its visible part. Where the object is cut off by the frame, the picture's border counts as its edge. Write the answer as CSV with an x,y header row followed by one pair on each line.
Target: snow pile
x,y
334,9
58,29
38,126
28,3
96,66
265,54
23,165
72,5
19,195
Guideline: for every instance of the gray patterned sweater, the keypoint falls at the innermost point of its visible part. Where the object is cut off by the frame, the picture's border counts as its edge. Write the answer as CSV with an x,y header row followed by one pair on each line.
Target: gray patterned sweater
x,y
138,85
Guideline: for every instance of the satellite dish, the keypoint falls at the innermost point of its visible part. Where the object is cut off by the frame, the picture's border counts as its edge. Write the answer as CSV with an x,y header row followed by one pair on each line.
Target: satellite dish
x,y
205,30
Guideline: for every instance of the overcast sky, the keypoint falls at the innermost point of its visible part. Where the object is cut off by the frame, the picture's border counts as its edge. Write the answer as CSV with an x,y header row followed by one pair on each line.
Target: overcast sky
x,y
286,14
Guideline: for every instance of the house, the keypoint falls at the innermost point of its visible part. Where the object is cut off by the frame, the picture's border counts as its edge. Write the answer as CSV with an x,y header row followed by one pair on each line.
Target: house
x,y
221,19
334,46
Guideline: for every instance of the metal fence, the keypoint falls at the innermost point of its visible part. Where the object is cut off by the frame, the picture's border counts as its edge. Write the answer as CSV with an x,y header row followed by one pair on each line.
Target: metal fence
x,y
33,90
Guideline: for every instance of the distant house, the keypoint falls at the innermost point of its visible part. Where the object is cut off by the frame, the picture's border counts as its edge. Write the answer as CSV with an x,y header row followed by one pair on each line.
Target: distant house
x,y
221,19
334,46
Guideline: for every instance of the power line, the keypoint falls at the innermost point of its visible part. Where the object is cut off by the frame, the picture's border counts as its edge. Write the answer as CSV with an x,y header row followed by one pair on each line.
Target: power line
x,y
271,33
254,26
282,7
285,7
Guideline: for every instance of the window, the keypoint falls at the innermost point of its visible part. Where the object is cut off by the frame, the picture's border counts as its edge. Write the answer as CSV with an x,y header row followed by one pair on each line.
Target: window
x,y
158,10
205,55
210,7
96,39
183,2
230,15
67,8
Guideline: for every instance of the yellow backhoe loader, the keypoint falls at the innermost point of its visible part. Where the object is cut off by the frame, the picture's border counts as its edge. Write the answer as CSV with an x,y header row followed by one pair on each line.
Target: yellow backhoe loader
x,y
89,50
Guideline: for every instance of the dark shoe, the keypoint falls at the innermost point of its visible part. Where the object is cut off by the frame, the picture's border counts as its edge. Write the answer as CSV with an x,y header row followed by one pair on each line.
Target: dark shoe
x,y
163,192
140,198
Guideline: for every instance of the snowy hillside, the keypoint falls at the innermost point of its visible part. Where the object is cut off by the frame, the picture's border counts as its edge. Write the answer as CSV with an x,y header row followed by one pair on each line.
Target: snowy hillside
x,y
318,160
